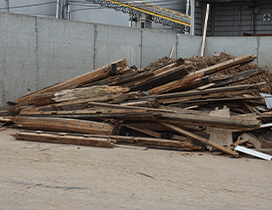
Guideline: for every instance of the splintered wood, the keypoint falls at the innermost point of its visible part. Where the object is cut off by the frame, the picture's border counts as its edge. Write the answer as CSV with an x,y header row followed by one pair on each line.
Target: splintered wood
x,y
184,104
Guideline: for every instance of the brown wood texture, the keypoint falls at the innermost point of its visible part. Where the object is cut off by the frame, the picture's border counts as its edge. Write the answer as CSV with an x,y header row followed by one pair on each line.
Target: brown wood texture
x,y
78,81
144,130
161,78
94,92
210,121
63,125
200,73
64,139
201,139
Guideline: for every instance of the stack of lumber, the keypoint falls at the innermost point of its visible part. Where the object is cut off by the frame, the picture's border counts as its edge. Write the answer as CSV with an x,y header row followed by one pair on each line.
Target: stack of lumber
x,y
186,104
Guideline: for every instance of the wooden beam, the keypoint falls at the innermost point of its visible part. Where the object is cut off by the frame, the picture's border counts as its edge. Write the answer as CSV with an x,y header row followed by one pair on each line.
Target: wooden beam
x,y
144,130
205,30
240,76
63,125
201,139
63,139
172,50
129,107
209,91
210,121
162,78
200,73
78,81
90,93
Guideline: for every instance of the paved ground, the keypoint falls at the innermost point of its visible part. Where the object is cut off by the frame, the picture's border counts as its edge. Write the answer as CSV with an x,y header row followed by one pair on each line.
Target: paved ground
x,y
52,176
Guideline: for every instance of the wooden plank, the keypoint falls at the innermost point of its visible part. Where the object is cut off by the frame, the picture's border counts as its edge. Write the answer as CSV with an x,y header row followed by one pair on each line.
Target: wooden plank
x,y
266,144
206,86
200,73
81,103
88,111
205,29
143,141
142,103
130,147
220,136
240,142
240,76
201,139
140,116
3,129
66,139
211,98
162,78
128,76
76,94
210,121
205,99
78,81
180,138
131,79
146,125
257,144
129,107
144,130
209,91
63,125
184,110
4,113
172,50
89,92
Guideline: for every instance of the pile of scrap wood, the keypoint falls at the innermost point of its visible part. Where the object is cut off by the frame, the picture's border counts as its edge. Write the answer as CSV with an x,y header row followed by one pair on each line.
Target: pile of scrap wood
x,y
211,102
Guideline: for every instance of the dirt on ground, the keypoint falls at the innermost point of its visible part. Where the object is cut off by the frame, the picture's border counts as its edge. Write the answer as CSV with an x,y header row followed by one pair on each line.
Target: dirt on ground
x,y
54,176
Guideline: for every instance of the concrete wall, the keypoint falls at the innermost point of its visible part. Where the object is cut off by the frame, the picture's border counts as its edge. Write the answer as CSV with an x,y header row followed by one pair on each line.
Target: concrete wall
x,y
64,50
18,47
188,46
157,44
238,46
115,42
39,52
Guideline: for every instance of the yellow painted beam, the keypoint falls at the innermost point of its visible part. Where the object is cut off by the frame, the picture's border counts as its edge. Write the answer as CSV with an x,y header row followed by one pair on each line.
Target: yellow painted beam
x,y
154,14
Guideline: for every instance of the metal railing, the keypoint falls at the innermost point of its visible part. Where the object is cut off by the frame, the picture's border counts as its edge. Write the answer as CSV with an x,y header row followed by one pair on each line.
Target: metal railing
x,y
182,18
157,14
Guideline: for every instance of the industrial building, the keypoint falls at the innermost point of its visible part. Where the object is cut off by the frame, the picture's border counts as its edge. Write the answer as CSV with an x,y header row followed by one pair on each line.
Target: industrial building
x,y
234,17
226,18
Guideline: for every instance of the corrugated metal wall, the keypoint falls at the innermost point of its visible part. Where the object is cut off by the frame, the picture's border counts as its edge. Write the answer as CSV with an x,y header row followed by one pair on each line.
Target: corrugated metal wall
x,y
198,18
234,18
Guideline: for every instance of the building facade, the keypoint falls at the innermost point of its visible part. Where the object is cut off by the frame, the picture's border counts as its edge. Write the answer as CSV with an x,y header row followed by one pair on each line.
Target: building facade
x,y
234,18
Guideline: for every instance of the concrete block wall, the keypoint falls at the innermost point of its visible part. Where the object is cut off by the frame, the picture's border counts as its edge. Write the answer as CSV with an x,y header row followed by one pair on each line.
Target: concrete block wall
x,y
238,46
116,42
18,65
39,52
157,44
64,50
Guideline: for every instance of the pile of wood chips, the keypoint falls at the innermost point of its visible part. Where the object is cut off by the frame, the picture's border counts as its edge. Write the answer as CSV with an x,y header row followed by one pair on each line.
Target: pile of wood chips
x,y
210,102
